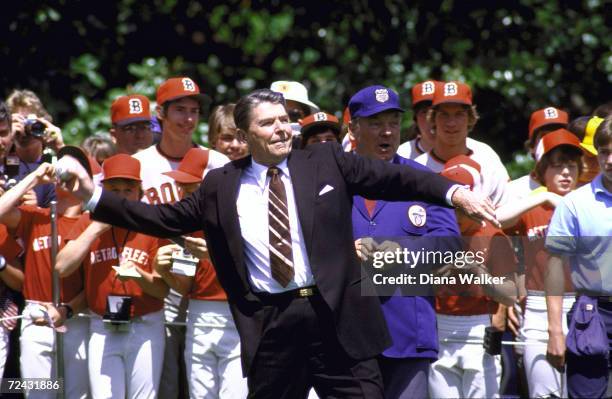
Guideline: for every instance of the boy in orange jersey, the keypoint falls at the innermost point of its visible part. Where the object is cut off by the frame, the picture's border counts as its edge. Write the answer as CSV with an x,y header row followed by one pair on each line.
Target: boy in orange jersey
x,y
126,344
32,225
212,347
462,369
558,166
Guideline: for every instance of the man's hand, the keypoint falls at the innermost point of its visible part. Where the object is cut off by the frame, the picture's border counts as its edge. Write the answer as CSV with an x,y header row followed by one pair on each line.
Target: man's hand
x,y
365,247
53,135
58,317
474,206
163,259
515,316
29,198
555,351
197,247
74,178
45,173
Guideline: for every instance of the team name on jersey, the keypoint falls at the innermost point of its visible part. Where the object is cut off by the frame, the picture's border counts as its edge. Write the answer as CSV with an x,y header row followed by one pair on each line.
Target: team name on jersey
x,y
166,193
537,232
44,242
104,254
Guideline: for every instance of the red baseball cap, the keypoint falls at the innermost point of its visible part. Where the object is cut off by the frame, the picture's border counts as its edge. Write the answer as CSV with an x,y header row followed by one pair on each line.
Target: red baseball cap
x,y
452,92
129,109
121,166
554,139
463,170
320,119
191,168
547,116
424,91
175,88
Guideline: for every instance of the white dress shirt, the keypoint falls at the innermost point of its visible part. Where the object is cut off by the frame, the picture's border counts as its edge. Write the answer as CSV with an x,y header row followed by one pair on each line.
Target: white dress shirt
x,y
252,208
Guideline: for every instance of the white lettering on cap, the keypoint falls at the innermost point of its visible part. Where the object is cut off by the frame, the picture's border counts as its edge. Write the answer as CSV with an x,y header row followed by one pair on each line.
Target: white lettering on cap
x,y
188,84
382,95
450,89
320,116
551,113
428,88
135,106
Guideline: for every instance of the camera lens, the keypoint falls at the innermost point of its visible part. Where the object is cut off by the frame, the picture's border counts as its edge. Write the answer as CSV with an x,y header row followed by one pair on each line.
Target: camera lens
x,y
37,129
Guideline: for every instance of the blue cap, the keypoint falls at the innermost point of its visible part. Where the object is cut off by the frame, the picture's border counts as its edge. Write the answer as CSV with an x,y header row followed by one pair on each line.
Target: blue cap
x,y
373,100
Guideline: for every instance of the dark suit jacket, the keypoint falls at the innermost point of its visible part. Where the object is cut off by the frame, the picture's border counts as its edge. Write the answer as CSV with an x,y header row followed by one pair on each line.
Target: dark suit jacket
x,y
326,226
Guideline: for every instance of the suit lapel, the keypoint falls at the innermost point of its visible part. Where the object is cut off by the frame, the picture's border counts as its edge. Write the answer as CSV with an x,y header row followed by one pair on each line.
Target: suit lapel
x,y
227,196
303,179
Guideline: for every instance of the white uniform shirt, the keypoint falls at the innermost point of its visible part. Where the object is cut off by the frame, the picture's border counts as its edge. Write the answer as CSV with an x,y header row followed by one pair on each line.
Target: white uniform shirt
x,y
162,189
495,177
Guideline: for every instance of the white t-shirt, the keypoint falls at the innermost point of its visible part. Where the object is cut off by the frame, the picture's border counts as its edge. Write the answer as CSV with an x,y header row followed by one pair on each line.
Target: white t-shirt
x,y
162,189
495,177
521,187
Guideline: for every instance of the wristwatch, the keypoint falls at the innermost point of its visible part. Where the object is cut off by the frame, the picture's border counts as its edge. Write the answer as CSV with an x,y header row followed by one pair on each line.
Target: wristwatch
x,y
2,263
69,312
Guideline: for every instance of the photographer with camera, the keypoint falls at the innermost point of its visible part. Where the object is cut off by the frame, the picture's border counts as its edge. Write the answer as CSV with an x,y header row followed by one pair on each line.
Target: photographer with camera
x,y
35,138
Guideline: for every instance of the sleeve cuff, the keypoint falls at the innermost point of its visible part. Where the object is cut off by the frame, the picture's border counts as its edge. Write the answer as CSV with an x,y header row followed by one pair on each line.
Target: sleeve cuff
x,y
93,201
450,192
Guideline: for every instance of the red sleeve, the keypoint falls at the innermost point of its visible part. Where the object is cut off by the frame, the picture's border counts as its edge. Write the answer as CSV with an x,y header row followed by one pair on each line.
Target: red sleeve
x,y
502,259
8,246
79,227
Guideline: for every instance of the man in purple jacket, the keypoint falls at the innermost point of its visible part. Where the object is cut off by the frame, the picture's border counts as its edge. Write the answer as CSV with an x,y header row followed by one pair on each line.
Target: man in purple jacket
x,y
411,319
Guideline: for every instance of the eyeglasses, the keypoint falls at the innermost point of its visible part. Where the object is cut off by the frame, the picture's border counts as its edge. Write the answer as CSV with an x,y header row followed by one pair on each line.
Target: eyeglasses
x,y
135,127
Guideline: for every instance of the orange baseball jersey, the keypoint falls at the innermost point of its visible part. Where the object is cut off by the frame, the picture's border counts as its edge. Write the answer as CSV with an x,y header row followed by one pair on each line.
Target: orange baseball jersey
x,y
499,259
101,279
34,230
205,286
9,248
532,227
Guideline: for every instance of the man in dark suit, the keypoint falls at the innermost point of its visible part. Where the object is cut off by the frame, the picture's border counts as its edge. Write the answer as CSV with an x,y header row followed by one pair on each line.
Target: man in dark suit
x,y
278,227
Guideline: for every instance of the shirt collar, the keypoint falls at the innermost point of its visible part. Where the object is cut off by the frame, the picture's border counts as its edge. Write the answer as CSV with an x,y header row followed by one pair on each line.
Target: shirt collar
x,y
260,172
598,187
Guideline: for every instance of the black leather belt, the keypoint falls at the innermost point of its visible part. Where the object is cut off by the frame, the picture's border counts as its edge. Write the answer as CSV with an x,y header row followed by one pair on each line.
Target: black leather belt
x,y
303,292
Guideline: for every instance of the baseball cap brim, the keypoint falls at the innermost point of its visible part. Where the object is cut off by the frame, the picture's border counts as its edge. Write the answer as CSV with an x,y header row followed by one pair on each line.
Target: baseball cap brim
x,y
182,177
125,122
452,101
202,98
127,177
376,110
590,148
78,154
307,129
313,107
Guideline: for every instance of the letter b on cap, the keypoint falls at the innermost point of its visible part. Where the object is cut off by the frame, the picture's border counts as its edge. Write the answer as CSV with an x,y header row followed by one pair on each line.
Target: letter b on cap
x,y
135,106
551,113
428,88
320,116
188,84
450,89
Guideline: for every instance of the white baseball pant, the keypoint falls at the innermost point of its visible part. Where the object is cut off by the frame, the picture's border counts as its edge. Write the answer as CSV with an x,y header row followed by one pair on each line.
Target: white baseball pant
x,y
212,352
4,348
126,364
464,370
542,378
37,351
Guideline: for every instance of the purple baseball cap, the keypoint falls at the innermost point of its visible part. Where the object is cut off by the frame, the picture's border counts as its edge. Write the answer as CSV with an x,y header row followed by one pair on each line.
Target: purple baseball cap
x,y
373,100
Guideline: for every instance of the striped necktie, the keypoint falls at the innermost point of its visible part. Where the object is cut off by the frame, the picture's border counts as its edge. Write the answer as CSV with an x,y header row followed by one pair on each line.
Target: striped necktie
x,y
281,257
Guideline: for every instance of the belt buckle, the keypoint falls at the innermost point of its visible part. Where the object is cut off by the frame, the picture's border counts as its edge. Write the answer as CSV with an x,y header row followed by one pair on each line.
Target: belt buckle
x,y
305,292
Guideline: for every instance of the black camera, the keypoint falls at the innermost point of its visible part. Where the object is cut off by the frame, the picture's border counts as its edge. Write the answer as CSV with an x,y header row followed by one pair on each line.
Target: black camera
x,y
34,127
118,309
